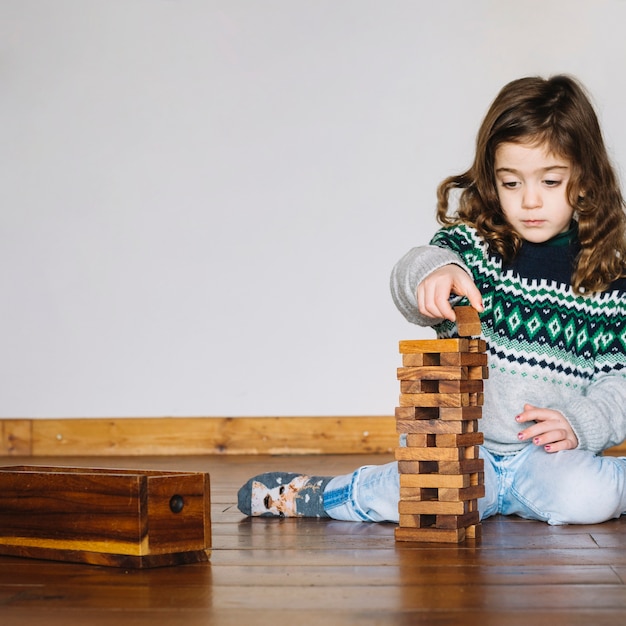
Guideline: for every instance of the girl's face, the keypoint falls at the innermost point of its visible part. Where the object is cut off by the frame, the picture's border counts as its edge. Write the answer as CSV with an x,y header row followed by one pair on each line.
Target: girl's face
x,y
532,188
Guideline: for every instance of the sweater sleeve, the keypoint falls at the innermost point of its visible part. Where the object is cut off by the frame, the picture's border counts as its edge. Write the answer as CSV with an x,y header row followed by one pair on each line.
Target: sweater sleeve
x,y
598,417
410,271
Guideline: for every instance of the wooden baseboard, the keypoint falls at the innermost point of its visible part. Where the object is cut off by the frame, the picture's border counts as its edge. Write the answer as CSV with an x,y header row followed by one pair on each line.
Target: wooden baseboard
x,y
198,435
202,435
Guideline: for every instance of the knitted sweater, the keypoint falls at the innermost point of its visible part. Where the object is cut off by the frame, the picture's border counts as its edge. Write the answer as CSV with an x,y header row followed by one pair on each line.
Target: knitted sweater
x,y
546,345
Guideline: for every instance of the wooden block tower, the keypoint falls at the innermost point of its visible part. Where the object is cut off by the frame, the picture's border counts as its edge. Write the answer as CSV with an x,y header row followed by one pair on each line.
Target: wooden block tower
x,y
441,397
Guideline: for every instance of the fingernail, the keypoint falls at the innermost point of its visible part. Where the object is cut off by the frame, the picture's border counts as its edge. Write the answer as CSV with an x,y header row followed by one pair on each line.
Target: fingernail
x,y
520,435
518,418
547,448
536,440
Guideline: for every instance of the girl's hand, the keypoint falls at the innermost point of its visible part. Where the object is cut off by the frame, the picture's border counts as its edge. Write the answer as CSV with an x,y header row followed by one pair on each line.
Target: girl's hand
x,y
552,430
433,293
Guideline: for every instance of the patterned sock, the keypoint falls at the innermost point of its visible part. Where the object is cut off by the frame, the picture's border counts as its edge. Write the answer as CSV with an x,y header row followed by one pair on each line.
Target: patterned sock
x,y
283,494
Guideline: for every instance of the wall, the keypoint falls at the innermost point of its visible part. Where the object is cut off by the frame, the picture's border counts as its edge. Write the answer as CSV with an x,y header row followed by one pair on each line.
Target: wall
x,y
201,200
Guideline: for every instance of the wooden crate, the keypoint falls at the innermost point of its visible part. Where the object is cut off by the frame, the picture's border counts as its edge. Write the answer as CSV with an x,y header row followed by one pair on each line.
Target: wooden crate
x,y
122,518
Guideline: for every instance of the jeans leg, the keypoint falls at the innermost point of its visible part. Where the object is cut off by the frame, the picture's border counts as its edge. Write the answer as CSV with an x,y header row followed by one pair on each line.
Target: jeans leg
x,y
370,494
488,505
569,487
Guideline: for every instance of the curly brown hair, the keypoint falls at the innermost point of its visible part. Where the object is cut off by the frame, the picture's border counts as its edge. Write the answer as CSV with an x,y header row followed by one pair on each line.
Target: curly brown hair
x,y
556,112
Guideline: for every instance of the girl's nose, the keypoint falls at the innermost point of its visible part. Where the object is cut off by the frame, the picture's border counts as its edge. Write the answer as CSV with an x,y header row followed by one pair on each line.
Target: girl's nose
x,y
531,198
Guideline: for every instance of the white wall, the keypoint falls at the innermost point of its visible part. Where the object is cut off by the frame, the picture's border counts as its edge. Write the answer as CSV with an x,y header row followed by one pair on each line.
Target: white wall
x,y
201,200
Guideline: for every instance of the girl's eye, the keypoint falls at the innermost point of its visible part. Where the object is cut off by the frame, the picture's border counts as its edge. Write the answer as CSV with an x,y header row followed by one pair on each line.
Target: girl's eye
x,y
552,183
510,184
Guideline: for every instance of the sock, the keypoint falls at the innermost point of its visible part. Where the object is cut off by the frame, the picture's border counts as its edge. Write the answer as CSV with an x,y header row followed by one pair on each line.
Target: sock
x,y
283,494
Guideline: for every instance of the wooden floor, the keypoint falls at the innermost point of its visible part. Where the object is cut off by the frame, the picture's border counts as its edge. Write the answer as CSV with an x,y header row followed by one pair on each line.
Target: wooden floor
x,y
324,572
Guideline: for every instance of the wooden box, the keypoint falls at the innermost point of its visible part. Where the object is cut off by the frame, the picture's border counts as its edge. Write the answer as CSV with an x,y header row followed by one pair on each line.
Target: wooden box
x,y
122,518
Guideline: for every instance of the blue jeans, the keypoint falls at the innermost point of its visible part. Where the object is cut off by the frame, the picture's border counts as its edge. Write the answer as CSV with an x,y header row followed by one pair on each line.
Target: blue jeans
x,y
571,487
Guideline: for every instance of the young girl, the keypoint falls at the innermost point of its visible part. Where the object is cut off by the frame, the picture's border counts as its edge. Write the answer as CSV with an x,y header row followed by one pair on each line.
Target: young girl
x,y
537,245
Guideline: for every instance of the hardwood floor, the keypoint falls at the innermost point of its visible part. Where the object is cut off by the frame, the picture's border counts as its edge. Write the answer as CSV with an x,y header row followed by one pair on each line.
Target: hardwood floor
x,y
305,572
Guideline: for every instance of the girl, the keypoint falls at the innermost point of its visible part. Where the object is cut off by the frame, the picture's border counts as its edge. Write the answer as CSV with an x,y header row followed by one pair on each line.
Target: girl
x,y
537,245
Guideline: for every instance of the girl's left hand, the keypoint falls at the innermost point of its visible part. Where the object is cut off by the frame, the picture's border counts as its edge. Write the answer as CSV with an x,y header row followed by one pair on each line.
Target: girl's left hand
x,y
552,430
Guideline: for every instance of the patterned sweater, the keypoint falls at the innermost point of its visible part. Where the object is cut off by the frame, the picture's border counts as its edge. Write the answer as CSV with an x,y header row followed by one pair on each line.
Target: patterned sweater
x,y
546,345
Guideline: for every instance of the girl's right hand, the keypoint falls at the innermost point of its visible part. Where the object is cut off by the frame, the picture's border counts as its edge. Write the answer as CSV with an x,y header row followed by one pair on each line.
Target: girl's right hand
x,y
433,293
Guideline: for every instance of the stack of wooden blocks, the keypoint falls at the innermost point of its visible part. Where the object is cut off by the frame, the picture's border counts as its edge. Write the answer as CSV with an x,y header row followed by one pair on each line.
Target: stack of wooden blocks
x,y
441,397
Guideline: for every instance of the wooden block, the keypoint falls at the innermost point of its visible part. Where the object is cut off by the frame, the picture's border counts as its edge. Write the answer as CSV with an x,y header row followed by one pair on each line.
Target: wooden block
x,y
422,440
473,484
433,413
476,399
459,386
453,441
455,495
416,440
457,521
433,373
467,494
430,535
442,521
452,400
122,518
466,466
478,372
406,520
421,359
419,386
409,413
477,479
460,413
419,453
439,413
435,426
474,531
422,413
417,494
413,346
477,345
435,480
471,452
458,359
467,321
432,507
